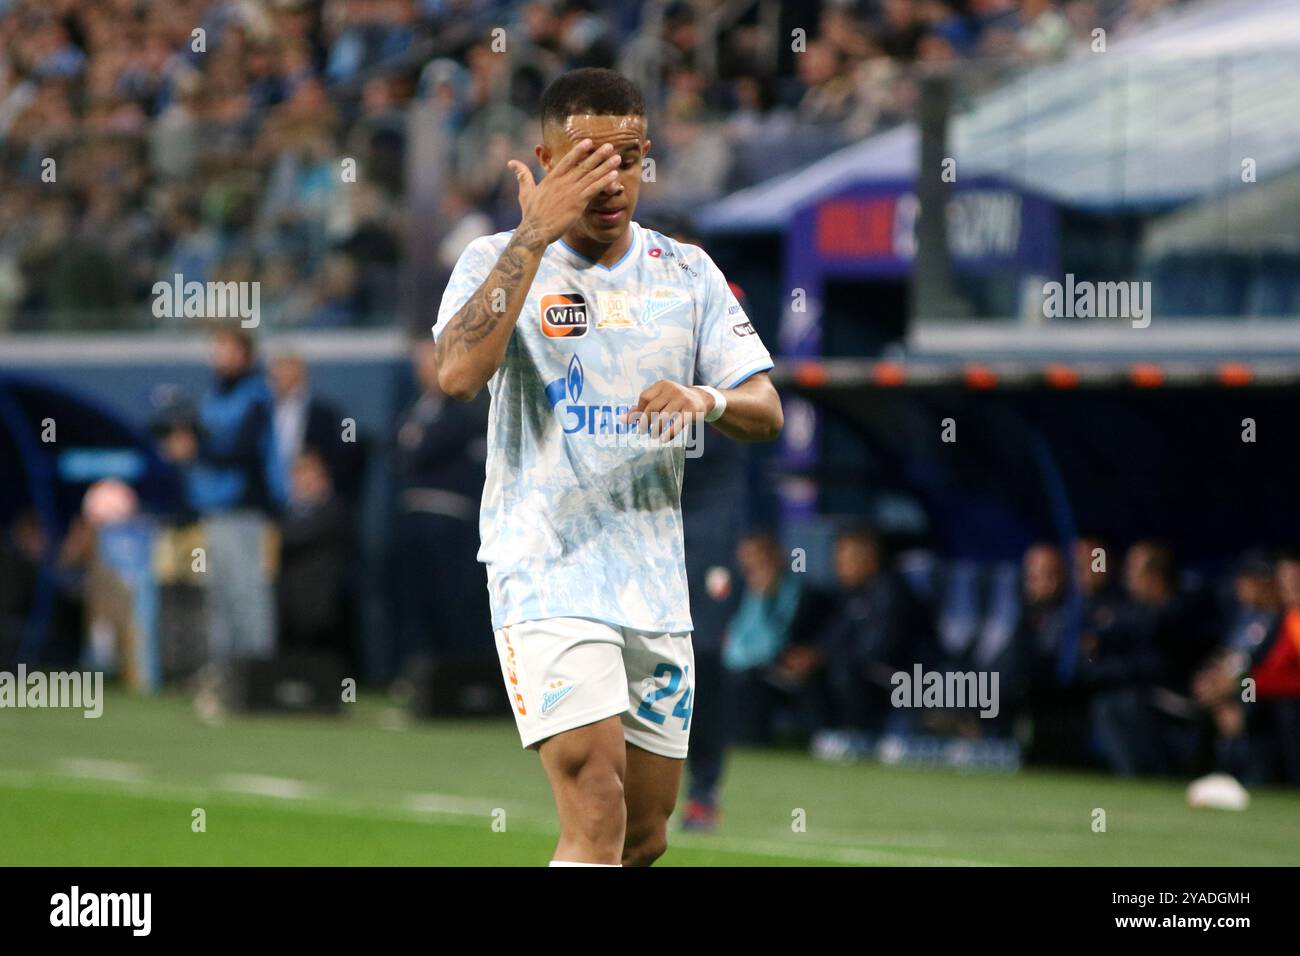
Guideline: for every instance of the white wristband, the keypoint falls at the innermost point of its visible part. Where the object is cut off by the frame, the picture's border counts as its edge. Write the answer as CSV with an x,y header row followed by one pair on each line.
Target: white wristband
x,y
719,403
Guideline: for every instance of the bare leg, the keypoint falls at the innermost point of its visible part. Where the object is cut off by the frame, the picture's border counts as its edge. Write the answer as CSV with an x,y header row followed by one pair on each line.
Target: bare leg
x,y
586,767
651,785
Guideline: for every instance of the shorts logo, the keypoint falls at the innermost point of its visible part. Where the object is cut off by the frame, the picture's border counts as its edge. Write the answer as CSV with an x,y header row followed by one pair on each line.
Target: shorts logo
x,y
555,692
564,315
516,694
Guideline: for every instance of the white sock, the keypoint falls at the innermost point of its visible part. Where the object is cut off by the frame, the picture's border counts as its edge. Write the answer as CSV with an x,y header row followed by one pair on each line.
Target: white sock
x,y
569,863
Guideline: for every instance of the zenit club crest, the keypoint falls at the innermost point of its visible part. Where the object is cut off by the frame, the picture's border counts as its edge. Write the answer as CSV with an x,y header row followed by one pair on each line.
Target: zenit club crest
x,y
564,315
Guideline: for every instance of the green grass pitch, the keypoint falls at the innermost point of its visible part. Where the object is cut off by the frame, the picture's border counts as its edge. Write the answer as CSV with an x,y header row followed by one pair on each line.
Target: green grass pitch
x,y
375,789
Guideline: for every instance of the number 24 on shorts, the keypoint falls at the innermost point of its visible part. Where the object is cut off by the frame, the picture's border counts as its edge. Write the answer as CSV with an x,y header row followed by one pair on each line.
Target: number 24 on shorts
x,y
683,706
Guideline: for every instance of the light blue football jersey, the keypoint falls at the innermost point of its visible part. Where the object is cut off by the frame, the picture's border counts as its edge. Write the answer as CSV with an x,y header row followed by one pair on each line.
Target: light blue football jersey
x,y
577,519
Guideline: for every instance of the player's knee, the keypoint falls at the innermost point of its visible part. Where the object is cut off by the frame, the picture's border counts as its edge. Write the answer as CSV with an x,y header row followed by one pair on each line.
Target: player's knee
x,y
646,846
599,787
599,780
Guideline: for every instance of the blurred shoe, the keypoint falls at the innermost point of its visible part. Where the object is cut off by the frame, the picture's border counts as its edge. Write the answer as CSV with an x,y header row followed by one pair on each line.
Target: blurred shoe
x,y
210,694
1218,791
700,817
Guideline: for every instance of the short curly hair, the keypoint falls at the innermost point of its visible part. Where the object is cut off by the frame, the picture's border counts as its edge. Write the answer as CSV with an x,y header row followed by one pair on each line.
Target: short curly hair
x,y
591,90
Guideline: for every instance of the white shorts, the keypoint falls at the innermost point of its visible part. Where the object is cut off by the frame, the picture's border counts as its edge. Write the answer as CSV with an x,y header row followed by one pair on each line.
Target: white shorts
x,y
566,672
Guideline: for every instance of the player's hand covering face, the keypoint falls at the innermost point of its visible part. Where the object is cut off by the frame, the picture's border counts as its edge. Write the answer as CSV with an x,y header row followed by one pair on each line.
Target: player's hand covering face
x,y
599,210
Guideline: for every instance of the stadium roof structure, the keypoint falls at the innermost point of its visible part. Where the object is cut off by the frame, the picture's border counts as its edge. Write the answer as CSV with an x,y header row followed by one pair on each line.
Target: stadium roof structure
x,y
1165,115
1246,220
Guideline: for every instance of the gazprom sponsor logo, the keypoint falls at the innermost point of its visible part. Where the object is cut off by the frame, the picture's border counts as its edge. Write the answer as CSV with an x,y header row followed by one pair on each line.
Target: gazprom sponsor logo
x,y
583,419
576,378
605,422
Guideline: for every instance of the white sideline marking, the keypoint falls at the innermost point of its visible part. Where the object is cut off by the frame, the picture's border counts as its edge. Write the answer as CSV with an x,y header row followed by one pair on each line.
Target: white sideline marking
x,y
446,803
417,807
264,786
96,768
859,856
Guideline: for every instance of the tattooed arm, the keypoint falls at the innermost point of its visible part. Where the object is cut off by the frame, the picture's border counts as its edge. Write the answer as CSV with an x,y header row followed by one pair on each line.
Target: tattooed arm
x,y
471,347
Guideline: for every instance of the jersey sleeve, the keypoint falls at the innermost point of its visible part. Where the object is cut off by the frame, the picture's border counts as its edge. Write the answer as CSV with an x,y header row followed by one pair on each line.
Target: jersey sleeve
x,y
729,349
473,266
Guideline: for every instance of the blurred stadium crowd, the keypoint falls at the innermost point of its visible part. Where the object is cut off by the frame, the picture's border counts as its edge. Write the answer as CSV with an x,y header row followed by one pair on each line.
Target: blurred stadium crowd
x,y
218,155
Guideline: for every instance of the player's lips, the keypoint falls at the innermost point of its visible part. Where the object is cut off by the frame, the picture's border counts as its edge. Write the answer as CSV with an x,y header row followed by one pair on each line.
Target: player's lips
x,y
608,217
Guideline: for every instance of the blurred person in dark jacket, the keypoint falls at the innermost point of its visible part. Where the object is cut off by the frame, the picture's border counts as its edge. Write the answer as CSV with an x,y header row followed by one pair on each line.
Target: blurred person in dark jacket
x,y
1092,580
302,419
1056,712
1142,665
316,554
713,495
25,556
866,639
440,454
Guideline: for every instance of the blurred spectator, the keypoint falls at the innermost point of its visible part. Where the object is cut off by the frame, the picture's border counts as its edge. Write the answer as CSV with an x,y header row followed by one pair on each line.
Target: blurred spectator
x,y
1142,665
660,48
1031,672
1099,598
28,564
228,462
1045,33
866,640
756,636
1252,689
900,28
830,93
226,452
316,555
301,419
439,459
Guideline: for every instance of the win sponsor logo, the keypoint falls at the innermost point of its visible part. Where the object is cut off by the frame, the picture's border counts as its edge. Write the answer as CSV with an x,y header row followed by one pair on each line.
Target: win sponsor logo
x,y
564,315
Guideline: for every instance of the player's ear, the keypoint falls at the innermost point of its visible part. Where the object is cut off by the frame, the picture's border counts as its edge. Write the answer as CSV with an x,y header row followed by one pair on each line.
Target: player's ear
x,y
645,149
544,155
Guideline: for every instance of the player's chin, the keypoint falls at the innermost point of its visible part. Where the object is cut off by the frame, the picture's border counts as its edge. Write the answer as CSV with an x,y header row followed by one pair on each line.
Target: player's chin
x,y
607,225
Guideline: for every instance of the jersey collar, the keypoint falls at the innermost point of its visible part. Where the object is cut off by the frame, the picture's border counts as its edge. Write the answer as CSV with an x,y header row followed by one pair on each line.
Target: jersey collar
x,y
627,256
